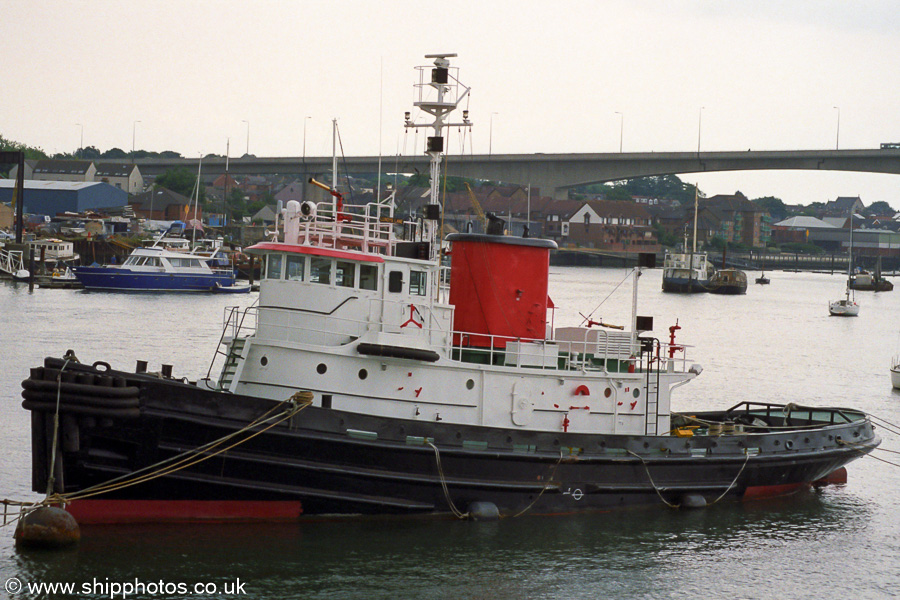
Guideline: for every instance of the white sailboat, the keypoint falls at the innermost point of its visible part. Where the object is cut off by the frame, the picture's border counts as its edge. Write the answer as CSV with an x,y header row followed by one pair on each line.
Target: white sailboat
x,y
847,306
895,373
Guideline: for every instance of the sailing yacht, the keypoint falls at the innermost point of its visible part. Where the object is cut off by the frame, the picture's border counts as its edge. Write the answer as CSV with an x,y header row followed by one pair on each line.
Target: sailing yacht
x,y
847,306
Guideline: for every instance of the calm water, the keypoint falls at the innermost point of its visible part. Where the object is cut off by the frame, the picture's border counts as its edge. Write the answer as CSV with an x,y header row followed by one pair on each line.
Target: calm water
x,y
776,343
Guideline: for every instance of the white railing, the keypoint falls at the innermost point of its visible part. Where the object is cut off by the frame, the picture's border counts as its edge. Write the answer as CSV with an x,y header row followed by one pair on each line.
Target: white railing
x,y
596,350
373,229
11,261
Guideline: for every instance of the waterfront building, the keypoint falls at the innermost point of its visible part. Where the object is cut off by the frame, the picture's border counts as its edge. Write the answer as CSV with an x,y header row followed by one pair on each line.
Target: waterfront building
x,y
47,198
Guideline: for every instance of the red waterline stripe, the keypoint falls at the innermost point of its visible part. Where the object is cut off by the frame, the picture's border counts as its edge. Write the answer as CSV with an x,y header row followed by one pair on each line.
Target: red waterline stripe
x,y
769,491
142,511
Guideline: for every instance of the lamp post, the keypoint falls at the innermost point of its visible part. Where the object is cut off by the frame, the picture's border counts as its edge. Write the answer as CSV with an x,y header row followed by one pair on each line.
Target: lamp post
x,y
248,136
621,129
491,135
304,139
303,185
837,137
81,143
133,132
699,128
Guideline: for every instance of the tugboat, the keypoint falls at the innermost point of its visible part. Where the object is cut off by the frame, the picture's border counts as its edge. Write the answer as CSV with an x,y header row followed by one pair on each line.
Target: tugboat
x,y
687,272
363,382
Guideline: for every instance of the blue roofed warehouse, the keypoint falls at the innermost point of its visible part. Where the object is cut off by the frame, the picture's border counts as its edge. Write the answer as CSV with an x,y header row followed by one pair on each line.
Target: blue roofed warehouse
x,y
52,197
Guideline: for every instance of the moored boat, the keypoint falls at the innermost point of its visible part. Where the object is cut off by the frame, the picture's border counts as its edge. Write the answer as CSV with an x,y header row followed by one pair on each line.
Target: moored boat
x,y
895,372
362,382
169,265
729,282
686,273
846,306
868,282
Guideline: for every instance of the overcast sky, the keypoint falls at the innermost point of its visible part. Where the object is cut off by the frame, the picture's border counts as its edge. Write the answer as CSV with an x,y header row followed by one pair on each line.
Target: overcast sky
x,y
545,77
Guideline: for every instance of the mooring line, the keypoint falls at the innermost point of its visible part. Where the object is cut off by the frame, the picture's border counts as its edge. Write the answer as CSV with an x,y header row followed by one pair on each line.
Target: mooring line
x,y
437,458
543,489
297,402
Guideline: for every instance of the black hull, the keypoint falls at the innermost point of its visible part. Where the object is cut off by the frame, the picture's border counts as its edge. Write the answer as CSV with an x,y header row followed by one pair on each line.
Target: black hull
x,y
883,286
334,462
729,290
680,286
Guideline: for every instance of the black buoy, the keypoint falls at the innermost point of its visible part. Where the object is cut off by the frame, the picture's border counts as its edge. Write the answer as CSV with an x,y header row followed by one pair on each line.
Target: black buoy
x,y
47,527
484,511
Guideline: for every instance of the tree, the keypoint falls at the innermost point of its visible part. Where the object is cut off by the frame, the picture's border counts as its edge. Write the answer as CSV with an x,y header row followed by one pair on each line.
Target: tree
x,y
775,207
879,208
657,186
179,180
114,153
32,153
89,153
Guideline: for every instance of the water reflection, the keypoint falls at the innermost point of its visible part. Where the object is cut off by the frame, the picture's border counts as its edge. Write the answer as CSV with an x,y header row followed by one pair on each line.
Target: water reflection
x,y
647,553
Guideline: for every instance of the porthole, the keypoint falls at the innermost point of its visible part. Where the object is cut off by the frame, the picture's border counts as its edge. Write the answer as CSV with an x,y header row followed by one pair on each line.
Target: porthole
x,y
607,392
789,444
470,384
363,373
636,393
263,361
321,369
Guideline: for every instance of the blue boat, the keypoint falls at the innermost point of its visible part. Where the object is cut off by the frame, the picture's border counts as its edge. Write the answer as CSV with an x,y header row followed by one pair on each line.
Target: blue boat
x,y
162,268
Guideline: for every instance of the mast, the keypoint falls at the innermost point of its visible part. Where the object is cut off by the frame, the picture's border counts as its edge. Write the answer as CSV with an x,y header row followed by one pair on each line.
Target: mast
x,y
850,258
695,220
196,203
438,97
694,244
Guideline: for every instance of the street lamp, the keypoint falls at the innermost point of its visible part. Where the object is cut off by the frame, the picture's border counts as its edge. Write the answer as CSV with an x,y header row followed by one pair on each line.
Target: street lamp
x,y
699,127
304,138
303,186
133,131
81,144
837,138
248,136
491,135
621,129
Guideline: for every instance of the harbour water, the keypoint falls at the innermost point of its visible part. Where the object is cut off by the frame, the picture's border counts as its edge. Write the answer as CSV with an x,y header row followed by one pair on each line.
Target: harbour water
x,y
776,343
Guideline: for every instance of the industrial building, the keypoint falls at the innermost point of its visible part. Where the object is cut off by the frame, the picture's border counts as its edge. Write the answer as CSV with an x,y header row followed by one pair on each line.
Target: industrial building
x,y
52,197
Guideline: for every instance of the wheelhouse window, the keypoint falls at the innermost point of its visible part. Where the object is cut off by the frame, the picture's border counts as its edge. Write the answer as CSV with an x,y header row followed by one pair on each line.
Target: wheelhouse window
x,y
320,270
273,266
418,283
345,273
293,268
368,277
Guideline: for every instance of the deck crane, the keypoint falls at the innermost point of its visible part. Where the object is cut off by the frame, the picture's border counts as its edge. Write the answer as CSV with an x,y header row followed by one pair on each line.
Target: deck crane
x,y
477,206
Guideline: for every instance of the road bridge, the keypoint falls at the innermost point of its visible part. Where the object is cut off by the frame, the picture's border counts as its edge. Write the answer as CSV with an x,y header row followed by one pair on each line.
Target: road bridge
x,y
555,174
